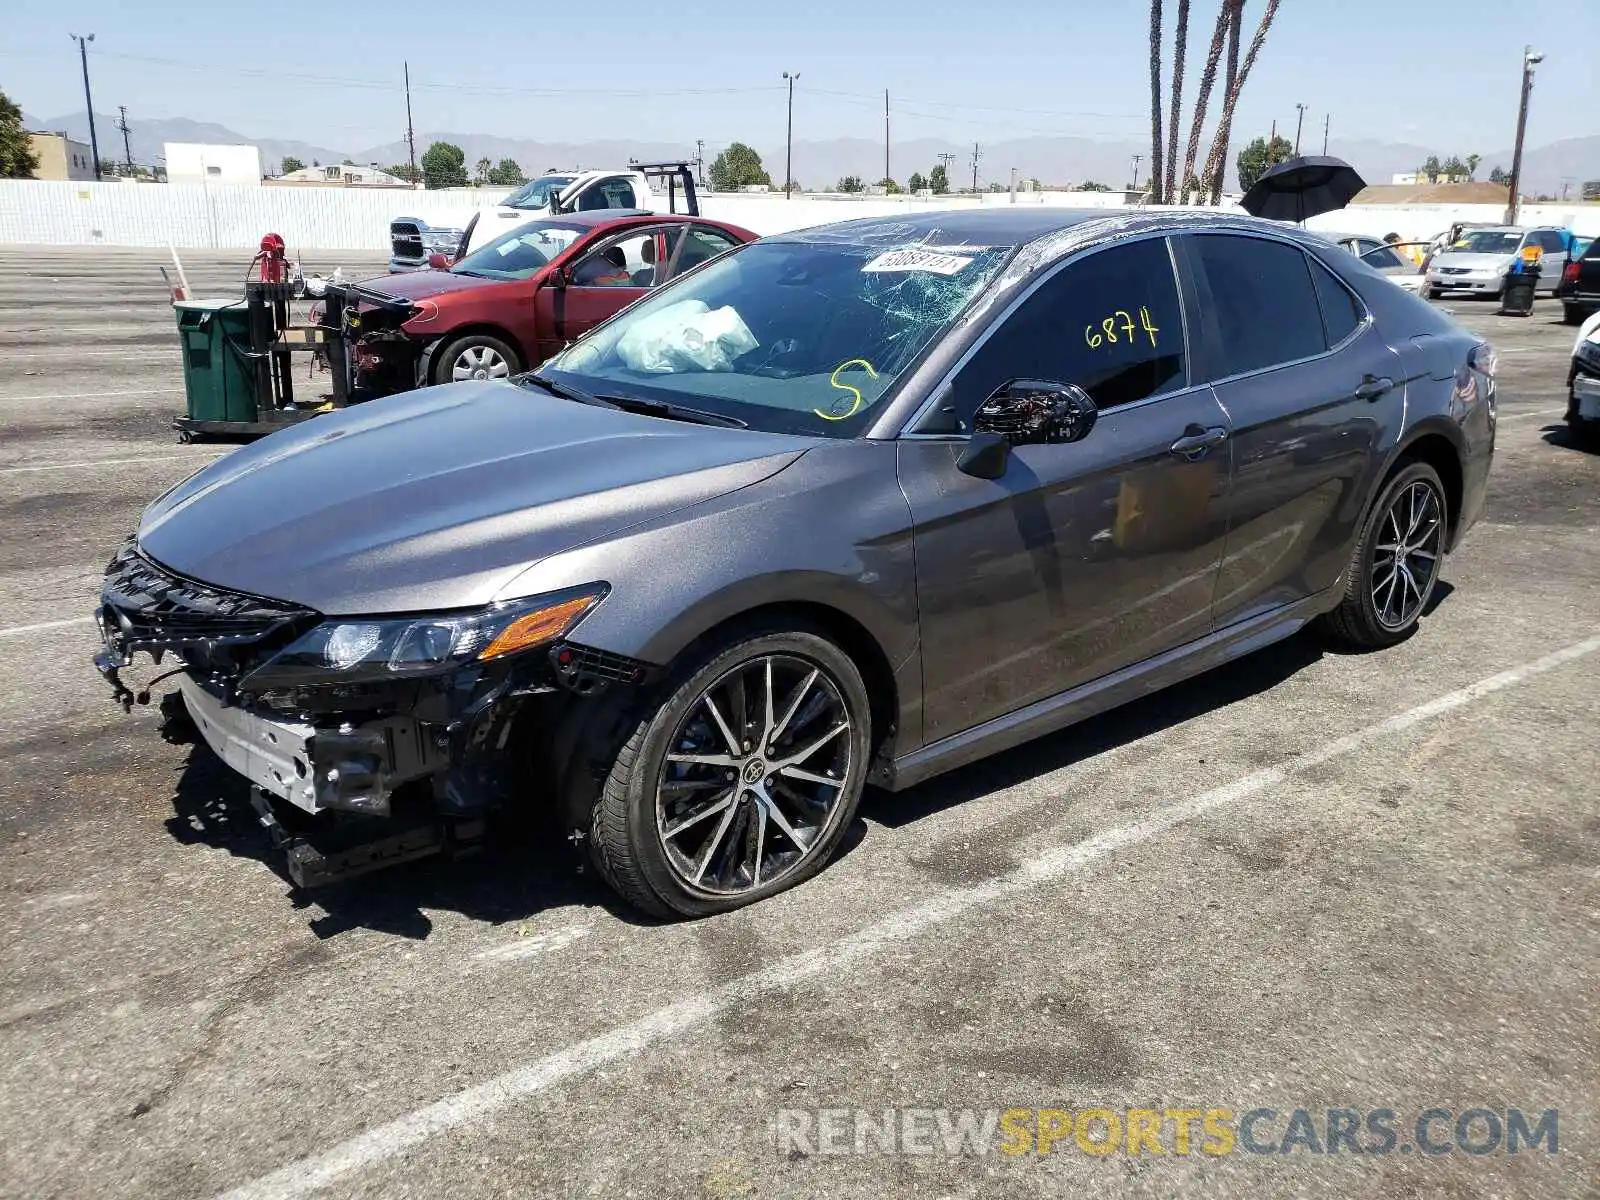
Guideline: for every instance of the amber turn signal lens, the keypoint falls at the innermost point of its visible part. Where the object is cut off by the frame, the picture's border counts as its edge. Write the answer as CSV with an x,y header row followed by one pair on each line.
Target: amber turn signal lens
x,y
535,628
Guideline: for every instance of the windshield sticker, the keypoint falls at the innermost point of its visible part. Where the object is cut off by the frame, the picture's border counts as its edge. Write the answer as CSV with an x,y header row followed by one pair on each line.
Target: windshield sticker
x,y
837,410
918,260
510,247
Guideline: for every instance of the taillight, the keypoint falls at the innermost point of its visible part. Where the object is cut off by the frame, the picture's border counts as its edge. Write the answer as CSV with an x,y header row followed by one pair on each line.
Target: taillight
x,y
1570,275
1483,359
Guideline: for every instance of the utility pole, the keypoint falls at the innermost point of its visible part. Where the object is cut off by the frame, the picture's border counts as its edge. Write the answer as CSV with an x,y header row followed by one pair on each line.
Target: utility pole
x,y
1529,61
122,124
411,134
977,153
1327,120
886,175
88,100
700,160
788,145
1137,159
1300,121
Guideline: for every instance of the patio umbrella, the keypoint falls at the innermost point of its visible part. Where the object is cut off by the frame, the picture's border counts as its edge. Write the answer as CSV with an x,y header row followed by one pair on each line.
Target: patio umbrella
x,y
1303,187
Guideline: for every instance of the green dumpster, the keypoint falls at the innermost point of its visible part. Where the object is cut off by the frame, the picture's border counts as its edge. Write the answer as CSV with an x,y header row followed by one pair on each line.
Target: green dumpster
x,y
216,368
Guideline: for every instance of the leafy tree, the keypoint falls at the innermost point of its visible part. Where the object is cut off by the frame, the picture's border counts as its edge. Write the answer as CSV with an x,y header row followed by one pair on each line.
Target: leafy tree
x,y
1454,169
850,183
1255,159
506,173
1472,165
1430,169
737,167
17,159
1034,184
916,183
292,164
405,171
1498,175
349,162
1089,185
444,166
939,181
889,186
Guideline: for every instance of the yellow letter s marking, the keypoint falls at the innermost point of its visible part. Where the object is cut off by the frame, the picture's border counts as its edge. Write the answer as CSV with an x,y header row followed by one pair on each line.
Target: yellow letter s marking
x,y
845,387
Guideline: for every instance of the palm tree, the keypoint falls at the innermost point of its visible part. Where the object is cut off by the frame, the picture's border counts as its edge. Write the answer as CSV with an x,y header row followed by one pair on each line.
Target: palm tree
x,y
1155,102
1179,51
1208,81
1219,146
1472,165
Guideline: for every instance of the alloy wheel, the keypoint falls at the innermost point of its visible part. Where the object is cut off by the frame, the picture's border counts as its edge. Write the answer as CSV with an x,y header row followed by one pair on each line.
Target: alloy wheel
x,y
479,362
753,775
1405,559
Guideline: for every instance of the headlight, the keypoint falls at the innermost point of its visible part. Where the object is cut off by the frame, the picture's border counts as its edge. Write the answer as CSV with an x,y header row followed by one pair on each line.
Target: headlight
x,y
352,650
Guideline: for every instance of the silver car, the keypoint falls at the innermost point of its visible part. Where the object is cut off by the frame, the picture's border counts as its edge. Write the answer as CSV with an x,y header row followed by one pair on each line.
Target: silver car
x,y
1480,261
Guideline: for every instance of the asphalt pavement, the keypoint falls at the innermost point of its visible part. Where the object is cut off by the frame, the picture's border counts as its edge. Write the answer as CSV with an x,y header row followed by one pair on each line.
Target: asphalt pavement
x,y
1310,881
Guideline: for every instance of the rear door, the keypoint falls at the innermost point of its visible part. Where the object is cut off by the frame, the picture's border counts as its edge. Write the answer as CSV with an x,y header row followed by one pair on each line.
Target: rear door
x,y
1310,386
1554,262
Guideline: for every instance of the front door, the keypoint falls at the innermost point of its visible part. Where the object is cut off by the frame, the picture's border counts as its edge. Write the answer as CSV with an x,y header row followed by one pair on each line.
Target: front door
x,y
1082,558
1310,386
601,282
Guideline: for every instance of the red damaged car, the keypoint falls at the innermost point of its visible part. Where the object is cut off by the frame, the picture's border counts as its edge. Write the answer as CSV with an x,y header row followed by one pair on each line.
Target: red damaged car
x,y
512,304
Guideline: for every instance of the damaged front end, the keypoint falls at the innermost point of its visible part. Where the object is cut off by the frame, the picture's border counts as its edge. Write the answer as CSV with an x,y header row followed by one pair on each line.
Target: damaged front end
x,y
405,721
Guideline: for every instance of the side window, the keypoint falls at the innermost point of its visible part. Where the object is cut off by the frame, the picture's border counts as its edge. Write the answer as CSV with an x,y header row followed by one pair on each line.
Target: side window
x,y
1341,311
1110,323
701,243
1262,300
607,193
627,262
1552,242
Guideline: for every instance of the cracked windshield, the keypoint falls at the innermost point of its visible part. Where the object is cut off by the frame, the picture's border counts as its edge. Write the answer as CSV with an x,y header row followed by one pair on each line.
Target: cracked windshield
x,y
789,336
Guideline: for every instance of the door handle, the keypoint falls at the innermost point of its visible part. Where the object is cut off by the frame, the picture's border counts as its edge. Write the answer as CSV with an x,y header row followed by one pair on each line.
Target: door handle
x,y
1373,386
1196,442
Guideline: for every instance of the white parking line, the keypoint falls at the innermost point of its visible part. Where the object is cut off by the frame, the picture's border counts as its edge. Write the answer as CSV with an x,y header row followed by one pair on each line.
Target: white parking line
x,y
197,459
534,945
19,630
387,1141
55,397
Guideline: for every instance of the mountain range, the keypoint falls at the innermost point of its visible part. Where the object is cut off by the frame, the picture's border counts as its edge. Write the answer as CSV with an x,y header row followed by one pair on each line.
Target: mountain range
x,y
820,163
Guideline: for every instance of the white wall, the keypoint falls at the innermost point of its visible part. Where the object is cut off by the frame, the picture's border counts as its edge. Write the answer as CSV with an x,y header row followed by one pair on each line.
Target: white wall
x,y
37,212
194,162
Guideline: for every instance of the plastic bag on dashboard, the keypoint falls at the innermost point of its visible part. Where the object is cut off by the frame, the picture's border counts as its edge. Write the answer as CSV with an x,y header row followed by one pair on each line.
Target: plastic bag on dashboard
x,y
687,336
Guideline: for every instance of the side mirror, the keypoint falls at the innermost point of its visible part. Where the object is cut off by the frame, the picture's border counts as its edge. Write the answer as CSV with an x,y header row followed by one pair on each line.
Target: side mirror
x,y
985,456
1029,412
438,262
558,278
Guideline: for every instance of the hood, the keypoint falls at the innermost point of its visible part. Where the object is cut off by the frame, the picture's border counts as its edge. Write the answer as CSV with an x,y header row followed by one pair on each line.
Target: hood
x,y
1474,262
438,498
418,285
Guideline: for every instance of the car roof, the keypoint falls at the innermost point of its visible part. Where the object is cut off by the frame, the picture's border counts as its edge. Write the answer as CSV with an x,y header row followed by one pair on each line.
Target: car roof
x,y
1000,226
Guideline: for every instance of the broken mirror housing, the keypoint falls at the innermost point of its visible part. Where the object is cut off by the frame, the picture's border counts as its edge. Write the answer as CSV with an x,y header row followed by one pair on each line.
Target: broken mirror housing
x,y
358,650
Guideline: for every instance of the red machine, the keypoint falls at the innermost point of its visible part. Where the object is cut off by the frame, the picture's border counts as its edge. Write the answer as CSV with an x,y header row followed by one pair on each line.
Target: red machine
x,y
271,259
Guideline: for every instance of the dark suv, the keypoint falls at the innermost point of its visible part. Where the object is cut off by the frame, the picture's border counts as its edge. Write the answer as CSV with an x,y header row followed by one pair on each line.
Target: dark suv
x,y
1579,291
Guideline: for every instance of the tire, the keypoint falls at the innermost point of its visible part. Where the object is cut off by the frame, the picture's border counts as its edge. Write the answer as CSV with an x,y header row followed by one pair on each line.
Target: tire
x,y
1368,616
1572,314
472,353
1429,292
629,836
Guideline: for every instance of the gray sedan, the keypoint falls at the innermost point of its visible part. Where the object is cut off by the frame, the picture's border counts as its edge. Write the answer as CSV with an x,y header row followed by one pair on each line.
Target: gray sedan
x,y
853,505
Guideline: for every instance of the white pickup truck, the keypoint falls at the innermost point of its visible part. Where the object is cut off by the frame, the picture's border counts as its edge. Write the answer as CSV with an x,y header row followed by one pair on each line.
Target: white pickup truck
x,y
414,241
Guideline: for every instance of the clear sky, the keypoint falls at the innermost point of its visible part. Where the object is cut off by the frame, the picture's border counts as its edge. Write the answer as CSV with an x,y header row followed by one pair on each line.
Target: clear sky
x,y
1441,73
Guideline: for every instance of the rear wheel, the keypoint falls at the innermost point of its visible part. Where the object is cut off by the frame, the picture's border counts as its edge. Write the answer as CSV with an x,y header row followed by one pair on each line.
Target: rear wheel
x,y
1572,314
742,781
476,356
1396,563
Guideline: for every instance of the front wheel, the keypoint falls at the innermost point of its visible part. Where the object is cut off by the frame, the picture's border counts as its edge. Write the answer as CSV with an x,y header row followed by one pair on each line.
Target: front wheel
x,y
1396,564
1572,314
475,356
741,783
